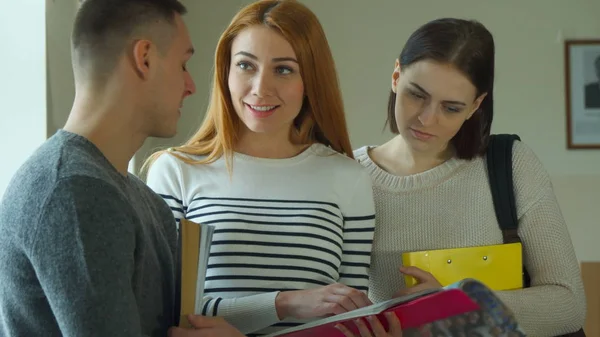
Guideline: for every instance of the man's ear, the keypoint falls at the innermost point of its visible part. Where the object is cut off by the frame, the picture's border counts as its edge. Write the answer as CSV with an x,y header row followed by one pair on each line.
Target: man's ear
x,y
141,57
395,75
477,104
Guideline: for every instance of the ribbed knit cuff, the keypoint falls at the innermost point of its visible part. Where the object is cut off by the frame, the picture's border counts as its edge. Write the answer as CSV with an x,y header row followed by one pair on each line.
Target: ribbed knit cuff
x,y
251,313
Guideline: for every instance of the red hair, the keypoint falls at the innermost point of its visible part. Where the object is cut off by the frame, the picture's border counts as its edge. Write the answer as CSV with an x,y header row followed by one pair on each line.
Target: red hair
x,y
321,119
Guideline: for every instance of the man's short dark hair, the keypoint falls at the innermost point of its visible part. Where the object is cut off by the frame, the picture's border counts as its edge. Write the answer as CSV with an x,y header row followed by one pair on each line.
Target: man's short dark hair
x,y
104,28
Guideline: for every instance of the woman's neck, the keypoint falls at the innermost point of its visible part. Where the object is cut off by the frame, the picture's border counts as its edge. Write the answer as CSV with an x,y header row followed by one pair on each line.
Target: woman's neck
x,y
399,159
268,145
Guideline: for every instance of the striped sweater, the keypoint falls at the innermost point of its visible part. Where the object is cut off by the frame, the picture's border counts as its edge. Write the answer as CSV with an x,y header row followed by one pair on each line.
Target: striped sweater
x,y
280,224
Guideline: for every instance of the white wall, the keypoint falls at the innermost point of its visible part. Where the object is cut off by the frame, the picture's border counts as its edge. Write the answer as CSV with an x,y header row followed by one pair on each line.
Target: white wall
x,y
60,15
366,37
22,83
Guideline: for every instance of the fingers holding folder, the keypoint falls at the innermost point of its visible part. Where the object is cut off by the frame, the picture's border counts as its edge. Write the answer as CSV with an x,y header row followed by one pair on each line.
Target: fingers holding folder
x,y
425,280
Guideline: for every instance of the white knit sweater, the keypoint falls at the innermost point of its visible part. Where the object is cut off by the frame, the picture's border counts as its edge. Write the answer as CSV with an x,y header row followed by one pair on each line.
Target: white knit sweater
x,y
451,206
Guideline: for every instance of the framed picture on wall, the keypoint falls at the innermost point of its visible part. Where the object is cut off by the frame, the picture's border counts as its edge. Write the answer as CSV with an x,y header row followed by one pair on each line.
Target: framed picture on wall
x,y
582,79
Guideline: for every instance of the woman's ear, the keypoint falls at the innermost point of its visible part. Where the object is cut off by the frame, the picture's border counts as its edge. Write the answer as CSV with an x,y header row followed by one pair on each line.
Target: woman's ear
x,y
395,75
477,104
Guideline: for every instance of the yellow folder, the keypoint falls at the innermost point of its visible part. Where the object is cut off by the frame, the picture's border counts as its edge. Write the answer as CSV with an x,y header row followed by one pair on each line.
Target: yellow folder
x,y
500,267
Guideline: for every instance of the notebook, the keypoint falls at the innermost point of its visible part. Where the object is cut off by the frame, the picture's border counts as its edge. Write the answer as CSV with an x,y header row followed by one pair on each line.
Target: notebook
x,y
194,248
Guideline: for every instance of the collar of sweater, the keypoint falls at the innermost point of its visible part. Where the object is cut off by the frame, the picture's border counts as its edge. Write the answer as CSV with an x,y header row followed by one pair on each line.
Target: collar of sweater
x,y
416,181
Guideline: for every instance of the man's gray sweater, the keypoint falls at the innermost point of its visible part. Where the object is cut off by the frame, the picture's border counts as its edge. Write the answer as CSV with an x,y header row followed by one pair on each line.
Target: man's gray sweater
x,y
84,250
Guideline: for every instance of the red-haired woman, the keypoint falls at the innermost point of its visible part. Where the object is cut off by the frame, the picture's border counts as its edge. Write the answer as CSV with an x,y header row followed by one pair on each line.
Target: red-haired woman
x,y
271,168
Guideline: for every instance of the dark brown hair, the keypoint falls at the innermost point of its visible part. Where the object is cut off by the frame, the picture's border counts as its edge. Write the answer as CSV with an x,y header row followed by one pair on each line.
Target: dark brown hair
x,y
468,46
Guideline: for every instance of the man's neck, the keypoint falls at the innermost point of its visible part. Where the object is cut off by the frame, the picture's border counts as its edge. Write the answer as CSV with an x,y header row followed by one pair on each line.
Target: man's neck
x,y
112,128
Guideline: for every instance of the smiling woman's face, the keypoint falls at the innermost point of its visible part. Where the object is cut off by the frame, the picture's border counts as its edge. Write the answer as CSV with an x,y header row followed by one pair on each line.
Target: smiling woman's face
x,y
266,88
433,100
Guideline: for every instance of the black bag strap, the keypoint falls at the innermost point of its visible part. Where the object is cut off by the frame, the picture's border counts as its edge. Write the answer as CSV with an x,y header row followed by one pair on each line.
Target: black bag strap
x,y
500,174
499,163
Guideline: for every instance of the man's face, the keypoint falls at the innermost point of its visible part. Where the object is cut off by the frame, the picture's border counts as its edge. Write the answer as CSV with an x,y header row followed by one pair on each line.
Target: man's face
x,y
172,83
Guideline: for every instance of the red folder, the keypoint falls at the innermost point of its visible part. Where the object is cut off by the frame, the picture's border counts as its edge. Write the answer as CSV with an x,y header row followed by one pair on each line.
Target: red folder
x,y
413,313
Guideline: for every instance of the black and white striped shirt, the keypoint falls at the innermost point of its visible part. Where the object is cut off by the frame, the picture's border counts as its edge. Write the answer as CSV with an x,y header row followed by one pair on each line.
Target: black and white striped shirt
x,y
280,224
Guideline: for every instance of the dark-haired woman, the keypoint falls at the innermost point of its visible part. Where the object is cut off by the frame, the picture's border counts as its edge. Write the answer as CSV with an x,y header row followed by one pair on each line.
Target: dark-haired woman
x,y
431,185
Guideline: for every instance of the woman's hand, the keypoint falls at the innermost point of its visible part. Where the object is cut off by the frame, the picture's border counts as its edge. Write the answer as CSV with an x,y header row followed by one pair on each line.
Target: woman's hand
x,y
395,330
424,281
319,302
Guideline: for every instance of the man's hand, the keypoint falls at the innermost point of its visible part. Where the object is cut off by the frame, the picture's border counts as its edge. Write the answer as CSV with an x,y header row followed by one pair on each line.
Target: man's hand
x,y
206,327
319,302
424,281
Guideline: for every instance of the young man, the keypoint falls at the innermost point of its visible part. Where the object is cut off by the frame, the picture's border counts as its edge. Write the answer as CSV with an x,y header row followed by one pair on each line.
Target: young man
x,y
87,249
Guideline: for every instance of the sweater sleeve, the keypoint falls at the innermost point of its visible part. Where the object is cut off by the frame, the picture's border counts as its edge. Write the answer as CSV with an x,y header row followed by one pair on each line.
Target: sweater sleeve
x,y
79,254
359,227
248,314
555,303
